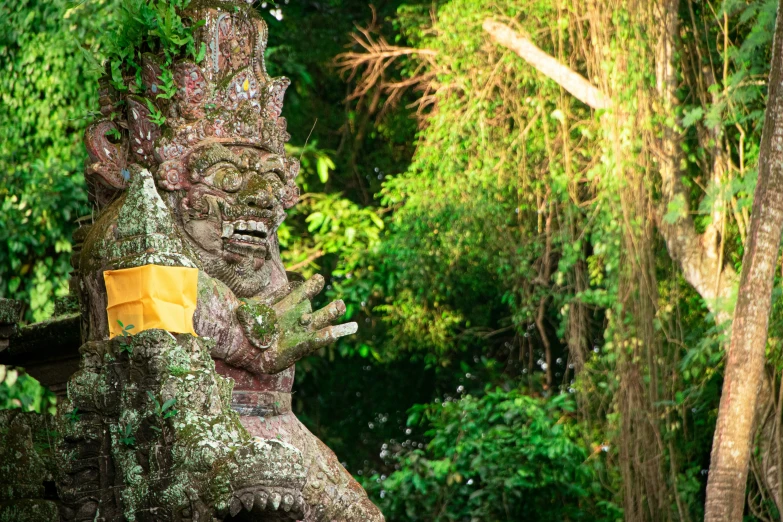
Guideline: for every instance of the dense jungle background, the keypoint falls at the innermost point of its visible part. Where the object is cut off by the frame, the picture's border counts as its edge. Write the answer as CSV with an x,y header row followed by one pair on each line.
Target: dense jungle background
x,y
542,288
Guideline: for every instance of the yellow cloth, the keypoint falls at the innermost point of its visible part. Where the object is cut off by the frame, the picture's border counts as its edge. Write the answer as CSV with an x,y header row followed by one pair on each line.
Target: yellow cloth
x,y
151,296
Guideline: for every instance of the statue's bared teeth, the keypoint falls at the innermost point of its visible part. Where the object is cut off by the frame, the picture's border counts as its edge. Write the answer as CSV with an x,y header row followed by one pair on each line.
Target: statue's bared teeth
x,y
251,225
241,225
247,238
228,229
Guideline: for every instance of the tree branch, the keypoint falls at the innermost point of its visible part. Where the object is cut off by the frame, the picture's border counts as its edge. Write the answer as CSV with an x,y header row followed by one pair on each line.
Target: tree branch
x,y
569,80
309,259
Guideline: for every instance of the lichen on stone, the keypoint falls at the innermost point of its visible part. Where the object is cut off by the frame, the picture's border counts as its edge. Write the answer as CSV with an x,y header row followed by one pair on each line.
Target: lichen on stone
x,y
198,455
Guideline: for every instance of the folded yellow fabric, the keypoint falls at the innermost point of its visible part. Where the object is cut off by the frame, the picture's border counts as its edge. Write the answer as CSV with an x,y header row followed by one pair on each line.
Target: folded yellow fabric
x,y
151,296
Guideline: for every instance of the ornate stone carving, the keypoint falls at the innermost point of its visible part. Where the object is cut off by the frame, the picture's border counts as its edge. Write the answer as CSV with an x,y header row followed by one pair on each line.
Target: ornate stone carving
x,y
208,189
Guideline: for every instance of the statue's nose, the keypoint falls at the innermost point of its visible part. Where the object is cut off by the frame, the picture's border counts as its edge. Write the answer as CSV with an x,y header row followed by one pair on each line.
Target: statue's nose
x,y
257,194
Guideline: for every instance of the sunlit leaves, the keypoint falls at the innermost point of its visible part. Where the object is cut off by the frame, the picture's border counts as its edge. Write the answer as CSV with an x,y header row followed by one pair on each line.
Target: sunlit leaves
x,y
323,166
675,210
335,226
19,390
47,89
692,116
504,456
466,221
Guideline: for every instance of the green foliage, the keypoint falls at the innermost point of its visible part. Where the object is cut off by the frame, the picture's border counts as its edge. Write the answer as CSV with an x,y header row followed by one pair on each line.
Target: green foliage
x,y
504,456
156,116
468,214
19,390
165,410
154,26
126,435
510,175
335,225
73,416
177,371
47,90
125,335
125,328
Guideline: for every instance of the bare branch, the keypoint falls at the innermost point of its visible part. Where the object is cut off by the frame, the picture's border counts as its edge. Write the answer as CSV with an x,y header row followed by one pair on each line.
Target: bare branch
x,y
303,263
569,80
373,62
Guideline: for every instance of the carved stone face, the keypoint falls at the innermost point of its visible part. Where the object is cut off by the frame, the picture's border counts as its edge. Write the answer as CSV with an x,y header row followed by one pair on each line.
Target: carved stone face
x,y
231,208
220,160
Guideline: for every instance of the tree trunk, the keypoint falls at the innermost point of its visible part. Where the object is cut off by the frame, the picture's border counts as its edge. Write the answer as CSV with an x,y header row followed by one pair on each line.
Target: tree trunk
x,y
744,367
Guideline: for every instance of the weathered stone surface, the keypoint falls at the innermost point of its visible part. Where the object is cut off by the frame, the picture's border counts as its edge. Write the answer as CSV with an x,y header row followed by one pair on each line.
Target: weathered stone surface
x,y
48,351
223,185
66,305
9,311
154,410
26,468
9,316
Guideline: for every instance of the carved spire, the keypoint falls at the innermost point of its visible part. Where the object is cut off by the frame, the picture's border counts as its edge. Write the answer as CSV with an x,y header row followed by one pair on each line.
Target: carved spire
x,y
146,233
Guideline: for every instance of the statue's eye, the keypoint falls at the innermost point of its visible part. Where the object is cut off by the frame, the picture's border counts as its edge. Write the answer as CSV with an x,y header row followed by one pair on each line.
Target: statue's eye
x,y
228,178
271,164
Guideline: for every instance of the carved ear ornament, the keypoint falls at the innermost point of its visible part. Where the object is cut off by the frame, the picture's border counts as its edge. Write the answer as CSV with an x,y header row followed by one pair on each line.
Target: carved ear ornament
x,y
172,175
108,154
143,132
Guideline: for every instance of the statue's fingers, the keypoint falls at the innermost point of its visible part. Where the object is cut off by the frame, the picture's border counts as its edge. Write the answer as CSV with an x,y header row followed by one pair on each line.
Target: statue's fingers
x,y
306,290
279,294
330,334
314,341
324,316
325,336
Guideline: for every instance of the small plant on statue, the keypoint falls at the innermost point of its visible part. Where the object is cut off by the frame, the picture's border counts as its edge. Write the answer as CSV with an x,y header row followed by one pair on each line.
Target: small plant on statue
x,y
114,134
164,411
125,341
127,436
156,116
73,415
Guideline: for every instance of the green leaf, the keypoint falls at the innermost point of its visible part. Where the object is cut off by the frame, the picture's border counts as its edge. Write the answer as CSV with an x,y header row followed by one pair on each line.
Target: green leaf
x,y
350,235
202,53
675,210
323,165
315,220
376,220
692,116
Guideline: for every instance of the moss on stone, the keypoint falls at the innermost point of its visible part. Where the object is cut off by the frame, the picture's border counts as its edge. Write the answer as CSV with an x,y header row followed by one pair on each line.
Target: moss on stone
x,y
200,455
259,322
29,510
137,229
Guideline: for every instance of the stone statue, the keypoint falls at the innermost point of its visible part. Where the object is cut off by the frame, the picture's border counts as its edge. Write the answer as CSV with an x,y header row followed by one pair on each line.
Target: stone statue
x,y
149,430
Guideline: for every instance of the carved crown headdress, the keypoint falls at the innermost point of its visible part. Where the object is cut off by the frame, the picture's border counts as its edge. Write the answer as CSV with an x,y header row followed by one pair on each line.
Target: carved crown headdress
x,y
227,97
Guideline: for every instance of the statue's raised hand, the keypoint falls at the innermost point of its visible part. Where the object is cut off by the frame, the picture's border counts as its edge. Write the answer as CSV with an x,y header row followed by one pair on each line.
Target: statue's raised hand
x,y
285,328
